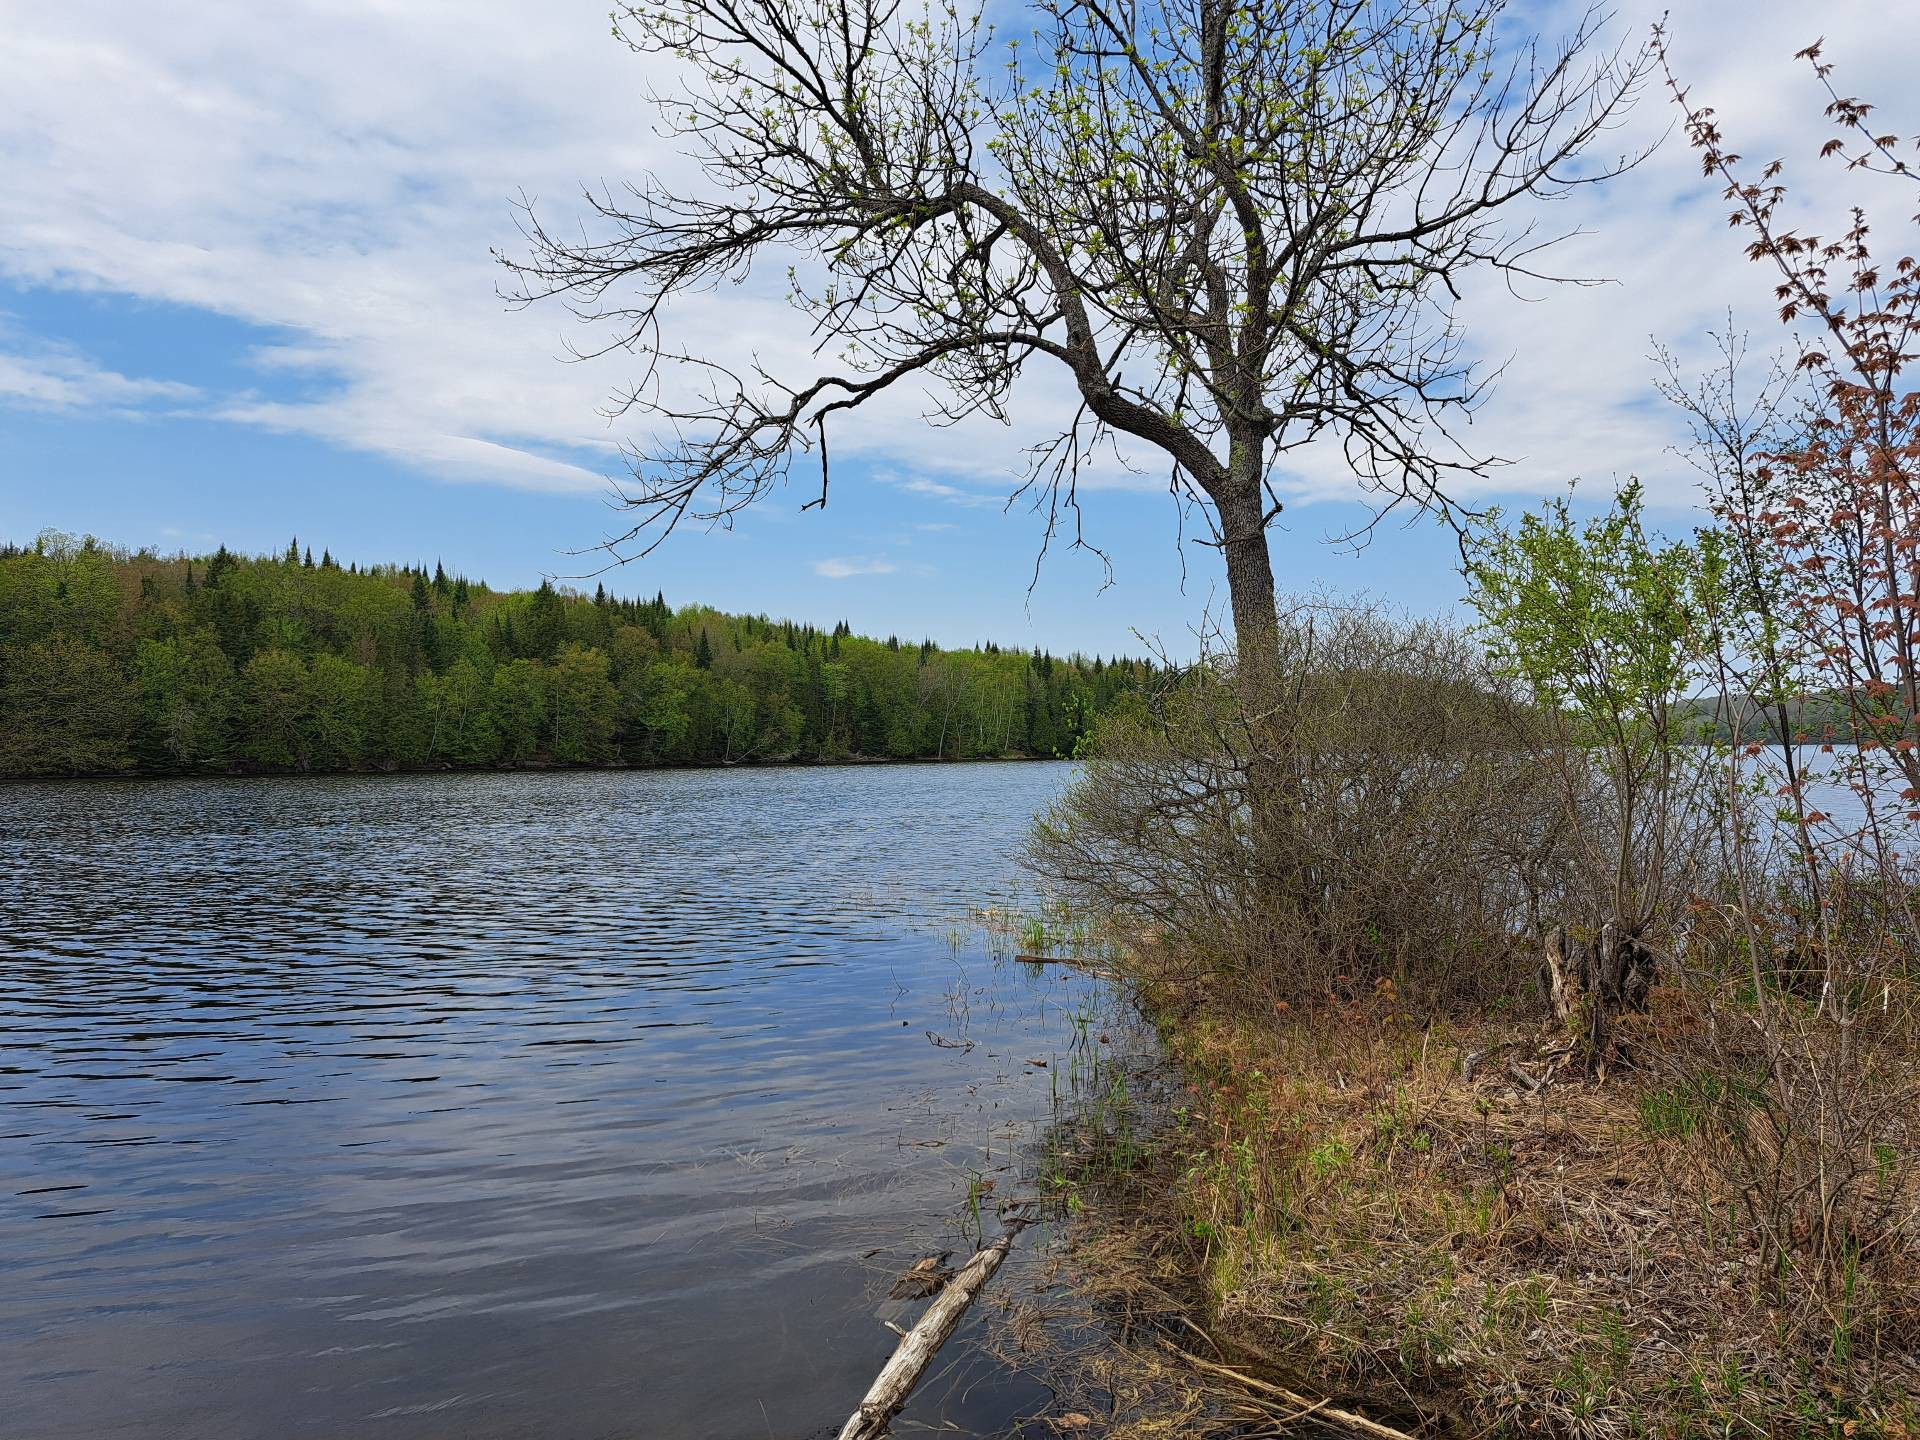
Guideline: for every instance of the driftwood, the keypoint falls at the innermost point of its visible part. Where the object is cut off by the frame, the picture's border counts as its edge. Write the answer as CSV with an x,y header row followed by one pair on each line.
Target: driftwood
x,y
1318,1409
918,1346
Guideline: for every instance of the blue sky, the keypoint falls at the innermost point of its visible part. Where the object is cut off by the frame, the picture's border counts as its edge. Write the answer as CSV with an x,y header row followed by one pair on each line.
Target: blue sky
x,y
245,293
174,477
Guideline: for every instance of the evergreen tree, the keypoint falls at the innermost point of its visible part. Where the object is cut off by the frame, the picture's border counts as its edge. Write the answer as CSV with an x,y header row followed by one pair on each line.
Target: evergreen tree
x,y
109,659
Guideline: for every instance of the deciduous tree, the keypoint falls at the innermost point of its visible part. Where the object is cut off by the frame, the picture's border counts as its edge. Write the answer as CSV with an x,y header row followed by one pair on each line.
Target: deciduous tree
x,y
1235,227
1608,628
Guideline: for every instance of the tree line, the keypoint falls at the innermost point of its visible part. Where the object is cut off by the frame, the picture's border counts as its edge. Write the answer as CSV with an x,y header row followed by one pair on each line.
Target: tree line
x,y
114,660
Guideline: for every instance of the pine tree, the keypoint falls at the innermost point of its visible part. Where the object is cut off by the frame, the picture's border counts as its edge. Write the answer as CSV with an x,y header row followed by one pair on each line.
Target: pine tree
x,y
432,691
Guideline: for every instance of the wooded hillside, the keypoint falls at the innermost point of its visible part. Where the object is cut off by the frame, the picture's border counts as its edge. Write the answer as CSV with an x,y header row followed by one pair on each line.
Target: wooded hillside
x,y
114,660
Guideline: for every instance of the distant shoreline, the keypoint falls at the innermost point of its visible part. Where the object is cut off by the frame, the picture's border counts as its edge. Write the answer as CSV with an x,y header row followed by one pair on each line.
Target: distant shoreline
x,y
530,767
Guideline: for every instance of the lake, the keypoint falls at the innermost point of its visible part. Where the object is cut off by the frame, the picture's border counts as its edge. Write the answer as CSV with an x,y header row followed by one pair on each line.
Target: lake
x,y
574,1104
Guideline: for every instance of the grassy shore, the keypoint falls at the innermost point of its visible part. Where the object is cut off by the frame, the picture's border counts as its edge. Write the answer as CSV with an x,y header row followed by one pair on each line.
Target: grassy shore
x,y
1424,1224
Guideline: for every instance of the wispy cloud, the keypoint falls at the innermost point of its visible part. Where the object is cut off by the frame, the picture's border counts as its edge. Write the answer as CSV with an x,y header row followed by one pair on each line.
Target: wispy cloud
x,y
952,494
841,568
39,376
338,175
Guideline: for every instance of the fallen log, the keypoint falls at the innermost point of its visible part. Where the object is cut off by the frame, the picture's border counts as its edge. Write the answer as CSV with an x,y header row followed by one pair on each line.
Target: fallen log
x,y
918,1346
1072,962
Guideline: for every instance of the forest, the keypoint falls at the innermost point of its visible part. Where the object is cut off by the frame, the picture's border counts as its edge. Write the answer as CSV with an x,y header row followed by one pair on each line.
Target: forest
x,y
115,660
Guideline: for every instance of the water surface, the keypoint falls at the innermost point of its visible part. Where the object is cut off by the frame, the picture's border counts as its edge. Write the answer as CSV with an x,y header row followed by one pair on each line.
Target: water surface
x,y
565,1105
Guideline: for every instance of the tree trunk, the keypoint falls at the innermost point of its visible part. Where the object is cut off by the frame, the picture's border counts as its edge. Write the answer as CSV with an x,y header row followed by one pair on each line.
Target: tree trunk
x,y
1256,629
1243,535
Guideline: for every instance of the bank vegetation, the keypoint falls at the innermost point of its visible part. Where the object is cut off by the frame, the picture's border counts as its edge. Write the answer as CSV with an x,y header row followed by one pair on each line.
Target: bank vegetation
x,y
1550,1039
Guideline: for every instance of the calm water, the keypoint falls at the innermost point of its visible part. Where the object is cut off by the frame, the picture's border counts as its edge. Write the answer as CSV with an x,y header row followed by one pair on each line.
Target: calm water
x,y
557,1105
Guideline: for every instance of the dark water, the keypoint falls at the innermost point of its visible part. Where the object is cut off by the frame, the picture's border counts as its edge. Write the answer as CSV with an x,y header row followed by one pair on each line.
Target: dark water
x,y
556,1105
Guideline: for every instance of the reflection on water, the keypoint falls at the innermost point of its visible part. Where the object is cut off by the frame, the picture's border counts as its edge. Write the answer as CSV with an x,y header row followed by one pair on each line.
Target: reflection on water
x,y
499,1105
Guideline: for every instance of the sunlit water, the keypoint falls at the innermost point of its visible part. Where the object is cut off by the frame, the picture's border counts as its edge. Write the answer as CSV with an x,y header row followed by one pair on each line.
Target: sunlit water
x,y
555,1105
1848,830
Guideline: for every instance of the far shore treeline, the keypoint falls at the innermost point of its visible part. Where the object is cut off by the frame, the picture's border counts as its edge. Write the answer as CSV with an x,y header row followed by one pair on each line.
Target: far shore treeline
x,y
114,660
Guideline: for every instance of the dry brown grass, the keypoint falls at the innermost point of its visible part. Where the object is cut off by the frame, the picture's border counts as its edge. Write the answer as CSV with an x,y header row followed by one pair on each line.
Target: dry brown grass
x,y
1338,1209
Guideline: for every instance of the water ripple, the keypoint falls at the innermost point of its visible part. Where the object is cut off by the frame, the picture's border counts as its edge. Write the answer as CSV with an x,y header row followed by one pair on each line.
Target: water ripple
x,y
493,1105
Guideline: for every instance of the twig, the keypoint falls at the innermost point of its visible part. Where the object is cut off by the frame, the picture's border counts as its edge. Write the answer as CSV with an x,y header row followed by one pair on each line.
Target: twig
x,y
1305,1404
1531,1085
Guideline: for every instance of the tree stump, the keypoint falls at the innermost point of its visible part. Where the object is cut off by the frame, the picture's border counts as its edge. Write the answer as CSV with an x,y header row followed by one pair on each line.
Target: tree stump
x,y
1591,983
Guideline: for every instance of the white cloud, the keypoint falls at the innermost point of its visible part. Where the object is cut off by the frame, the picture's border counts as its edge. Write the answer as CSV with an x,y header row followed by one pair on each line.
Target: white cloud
x,y
952,494
39,376
335,170
1576,397
845,569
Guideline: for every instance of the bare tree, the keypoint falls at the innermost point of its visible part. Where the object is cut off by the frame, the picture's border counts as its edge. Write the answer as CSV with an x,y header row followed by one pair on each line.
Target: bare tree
x,y
1239,225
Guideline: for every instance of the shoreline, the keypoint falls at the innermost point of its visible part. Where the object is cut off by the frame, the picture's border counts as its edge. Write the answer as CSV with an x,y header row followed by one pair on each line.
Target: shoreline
x,y
1336,1207
533,768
